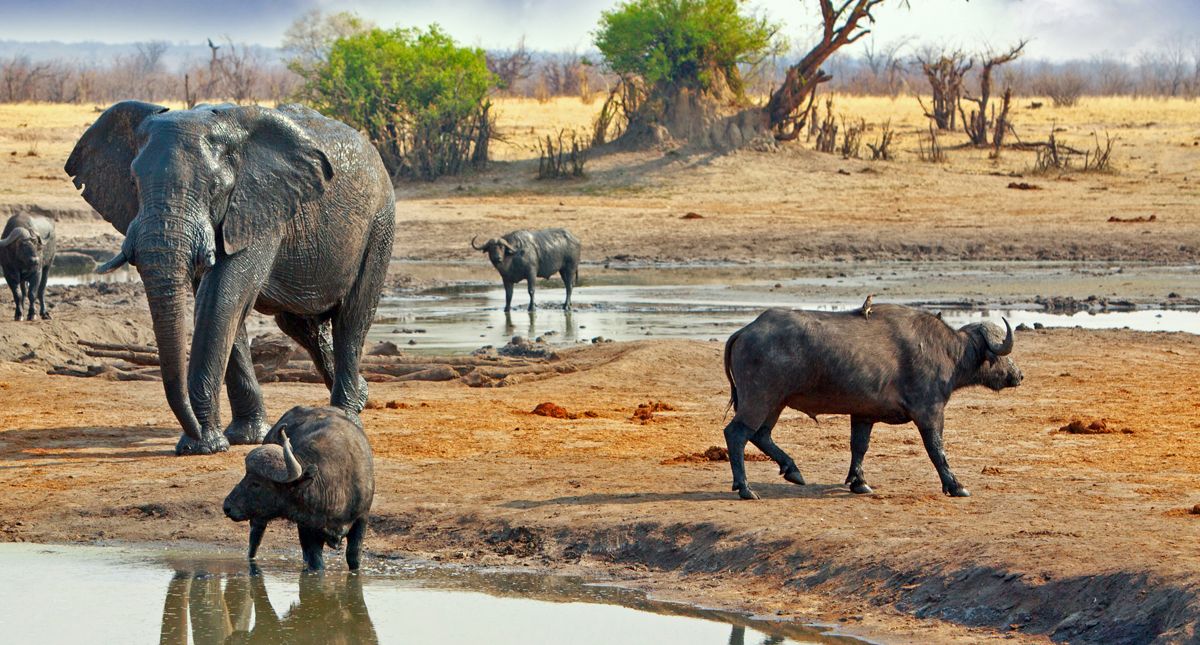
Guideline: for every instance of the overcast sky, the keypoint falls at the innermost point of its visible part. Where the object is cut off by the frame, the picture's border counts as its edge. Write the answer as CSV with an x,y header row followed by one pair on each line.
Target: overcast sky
x,y
1060,29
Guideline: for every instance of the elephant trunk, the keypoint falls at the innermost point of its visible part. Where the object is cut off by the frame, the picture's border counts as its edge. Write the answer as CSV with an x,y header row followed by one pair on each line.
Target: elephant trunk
x,y
167,263
169,310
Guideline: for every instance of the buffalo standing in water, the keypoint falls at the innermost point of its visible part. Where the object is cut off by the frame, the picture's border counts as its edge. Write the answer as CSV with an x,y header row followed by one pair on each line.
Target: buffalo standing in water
x,y
896,366
314,468
529,255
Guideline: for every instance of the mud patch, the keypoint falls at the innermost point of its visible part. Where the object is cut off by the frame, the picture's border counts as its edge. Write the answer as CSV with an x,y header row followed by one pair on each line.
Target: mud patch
x,y
555,411
645,411
1096,426
712,454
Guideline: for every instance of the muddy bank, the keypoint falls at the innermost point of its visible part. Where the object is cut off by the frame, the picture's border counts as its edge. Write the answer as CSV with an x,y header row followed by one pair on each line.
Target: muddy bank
x,y
472,475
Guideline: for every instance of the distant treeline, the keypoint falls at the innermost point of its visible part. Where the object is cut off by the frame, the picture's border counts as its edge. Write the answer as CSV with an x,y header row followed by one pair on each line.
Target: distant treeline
x,y
247,74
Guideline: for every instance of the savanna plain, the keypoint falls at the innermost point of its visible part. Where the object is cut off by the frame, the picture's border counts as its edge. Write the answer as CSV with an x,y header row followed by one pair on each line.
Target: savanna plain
x,y
1068,535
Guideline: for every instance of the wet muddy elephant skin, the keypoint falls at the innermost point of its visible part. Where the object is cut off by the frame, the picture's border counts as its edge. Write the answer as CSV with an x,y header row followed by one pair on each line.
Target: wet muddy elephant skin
x,y
899,365
529,255
280,210
27,248
314,469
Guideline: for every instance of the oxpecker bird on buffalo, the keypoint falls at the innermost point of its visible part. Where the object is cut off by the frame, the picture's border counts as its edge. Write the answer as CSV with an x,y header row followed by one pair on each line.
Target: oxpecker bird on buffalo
x,y
900,365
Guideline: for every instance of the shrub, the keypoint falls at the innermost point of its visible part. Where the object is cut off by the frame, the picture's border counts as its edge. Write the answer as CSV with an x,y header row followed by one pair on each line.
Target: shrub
x,y
420,98
673,46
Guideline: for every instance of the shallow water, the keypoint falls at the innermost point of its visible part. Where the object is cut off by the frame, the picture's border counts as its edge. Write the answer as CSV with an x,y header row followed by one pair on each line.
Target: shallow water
x,y
697,302
60,594
468,317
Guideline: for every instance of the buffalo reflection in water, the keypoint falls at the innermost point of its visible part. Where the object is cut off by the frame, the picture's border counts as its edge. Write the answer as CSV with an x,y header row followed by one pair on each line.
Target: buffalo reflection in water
x,y
232,607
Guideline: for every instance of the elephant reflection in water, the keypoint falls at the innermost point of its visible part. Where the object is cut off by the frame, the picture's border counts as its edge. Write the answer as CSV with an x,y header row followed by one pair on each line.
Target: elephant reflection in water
x,y
738,637
331,610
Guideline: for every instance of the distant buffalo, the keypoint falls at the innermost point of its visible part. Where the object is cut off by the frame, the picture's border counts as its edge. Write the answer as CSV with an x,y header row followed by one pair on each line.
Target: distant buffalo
x,y
26,253
529,255
898,365
314,468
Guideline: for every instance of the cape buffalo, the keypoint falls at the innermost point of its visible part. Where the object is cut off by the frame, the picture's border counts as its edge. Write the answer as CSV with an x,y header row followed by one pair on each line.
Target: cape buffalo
x,y
898,365
325,483
26,253
529,255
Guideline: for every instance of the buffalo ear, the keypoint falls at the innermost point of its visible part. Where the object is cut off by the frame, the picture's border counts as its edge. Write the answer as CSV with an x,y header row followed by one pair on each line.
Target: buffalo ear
x,y
279,168
100,161
310,471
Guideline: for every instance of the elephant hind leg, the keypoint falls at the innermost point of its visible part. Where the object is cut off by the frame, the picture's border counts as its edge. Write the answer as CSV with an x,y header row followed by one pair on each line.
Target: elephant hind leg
x,y
314,336
353,318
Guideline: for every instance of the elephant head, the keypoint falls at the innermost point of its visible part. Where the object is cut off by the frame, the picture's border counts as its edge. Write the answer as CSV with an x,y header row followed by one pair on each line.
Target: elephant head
x,y
188,188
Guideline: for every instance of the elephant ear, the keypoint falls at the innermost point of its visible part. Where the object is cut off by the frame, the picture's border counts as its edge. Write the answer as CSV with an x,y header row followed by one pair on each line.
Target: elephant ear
x,y
100,161
281,167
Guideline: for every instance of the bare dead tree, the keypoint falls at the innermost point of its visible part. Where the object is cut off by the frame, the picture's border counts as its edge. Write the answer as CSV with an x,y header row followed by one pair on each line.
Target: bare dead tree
x,y
884,65
978,124
238,71
511,66
945,71
791,104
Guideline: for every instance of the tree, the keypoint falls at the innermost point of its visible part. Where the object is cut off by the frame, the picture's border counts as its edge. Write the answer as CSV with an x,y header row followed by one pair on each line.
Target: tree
x,y
681,51
419,97
307,41
977,124
945,70
511,66
790,105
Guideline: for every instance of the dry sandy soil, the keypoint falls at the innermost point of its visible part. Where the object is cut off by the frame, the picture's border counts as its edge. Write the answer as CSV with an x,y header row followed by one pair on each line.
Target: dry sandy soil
x,y
1068,536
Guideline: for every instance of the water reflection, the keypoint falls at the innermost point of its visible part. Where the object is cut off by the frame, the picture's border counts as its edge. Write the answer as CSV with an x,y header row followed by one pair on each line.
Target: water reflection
x,y
218,607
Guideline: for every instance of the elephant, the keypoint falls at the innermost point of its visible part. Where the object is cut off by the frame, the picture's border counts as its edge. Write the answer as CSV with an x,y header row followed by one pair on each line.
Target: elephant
x,y
27,249
281,210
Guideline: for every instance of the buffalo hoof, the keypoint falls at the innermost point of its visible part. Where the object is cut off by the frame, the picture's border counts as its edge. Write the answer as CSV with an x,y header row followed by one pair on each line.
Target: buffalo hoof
x,y
45,315
795,477
860,488
958,491
247,432
30,316
213,443
744,492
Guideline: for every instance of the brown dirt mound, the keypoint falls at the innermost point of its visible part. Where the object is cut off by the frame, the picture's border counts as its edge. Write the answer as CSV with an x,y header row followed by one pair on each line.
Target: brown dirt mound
x,y
555,411
645,411
713,453
1097,426
691,215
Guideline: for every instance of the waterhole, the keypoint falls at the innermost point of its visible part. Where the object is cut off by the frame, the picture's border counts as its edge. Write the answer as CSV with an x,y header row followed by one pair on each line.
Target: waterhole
x,y
91,594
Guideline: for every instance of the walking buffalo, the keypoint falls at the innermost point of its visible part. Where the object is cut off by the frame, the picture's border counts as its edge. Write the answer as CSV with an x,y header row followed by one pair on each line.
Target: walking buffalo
x,y
898,365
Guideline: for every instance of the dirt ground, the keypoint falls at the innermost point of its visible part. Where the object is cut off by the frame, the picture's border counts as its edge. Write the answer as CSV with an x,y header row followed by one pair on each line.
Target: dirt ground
x,y
1080,537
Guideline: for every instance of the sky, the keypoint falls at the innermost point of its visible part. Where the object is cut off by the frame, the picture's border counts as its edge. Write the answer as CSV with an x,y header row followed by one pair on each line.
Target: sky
x,y
1058,29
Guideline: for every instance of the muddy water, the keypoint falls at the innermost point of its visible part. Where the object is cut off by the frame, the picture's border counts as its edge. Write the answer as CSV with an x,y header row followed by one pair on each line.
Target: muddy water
x,y
469,316
464,310
61,594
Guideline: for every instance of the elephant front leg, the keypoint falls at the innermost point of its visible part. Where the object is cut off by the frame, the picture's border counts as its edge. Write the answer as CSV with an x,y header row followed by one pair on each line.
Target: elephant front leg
x,y
223,300
249,425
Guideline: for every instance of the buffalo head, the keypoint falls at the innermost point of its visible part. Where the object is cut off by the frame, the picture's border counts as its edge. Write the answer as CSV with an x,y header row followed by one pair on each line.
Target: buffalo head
x,y
498,250
995,369
263,493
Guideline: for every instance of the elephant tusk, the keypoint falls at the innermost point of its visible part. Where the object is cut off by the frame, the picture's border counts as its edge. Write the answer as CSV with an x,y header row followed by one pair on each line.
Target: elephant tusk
x,y
115,263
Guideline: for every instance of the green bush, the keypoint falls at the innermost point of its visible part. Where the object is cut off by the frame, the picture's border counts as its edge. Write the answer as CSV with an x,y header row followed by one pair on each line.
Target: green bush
x,y
684,44
419,97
